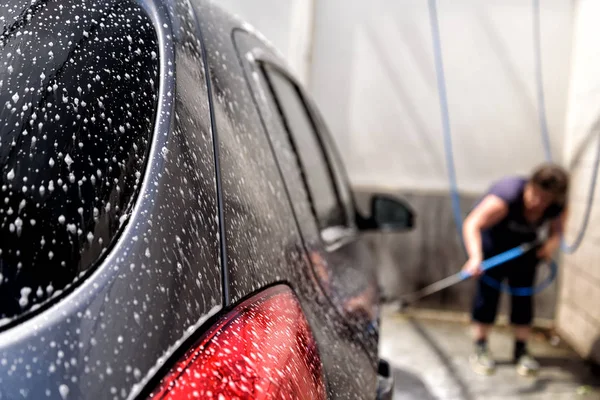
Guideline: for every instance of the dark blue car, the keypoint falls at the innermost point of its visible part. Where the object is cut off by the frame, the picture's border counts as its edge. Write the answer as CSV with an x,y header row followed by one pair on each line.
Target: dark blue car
x,y
174,219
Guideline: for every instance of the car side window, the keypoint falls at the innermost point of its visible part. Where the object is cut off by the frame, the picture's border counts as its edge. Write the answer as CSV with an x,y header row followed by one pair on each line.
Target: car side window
x,y
337,166
307,144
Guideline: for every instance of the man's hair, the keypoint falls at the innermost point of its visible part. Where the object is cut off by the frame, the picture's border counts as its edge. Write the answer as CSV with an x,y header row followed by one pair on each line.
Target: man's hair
x,y
552,178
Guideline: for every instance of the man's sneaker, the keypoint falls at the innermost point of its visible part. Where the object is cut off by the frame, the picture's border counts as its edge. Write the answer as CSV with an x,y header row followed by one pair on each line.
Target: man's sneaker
x,y
527,365
482,362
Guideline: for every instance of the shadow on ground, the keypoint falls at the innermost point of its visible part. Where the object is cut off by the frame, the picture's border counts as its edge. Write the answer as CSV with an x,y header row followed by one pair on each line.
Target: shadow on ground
x,y
410,386
444,358
430,361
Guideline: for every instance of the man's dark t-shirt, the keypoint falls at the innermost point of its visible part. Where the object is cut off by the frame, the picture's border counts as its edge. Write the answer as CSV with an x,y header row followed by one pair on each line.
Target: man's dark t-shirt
x,y
514,229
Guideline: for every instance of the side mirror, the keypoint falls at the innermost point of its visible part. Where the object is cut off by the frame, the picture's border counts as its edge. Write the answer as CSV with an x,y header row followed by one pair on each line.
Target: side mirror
x,y
388,215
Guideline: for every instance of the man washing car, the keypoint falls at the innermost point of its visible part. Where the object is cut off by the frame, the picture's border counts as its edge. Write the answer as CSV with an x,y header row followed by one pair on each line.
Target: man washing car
x,y
510,214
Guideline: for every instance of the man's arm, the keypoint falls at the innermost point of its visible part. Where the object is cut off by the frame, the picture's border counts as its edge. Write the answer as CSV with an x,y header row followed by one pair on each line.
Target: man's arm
x,y
553,243
489,212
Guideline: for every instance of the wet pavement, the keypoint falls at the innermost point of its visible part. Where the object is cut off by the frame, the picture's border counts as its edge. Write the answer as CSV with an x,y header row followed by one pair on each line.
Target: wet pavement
x,y
429,359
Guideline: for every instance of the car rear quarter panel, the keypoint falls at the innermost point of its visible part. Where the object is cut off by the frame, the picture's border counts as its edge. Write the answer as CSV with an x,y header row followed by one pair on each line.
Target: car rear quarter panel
x,y
263,243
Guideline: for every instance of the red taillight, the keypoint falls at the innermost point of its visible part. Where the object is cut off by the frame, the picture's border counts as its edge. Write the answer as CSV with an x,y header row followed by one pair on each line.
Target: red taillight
x,y
262,350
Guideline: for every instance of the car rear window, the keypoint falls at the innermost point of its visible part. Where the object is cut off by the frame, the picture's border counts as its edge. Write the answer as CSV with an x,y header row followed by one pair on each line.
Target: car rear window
x,y
78,94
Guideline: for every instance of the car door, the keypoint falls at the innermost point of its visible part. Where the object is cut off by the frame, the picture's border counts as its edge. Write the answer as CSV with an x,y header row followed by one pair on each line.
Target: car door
x,y
315,179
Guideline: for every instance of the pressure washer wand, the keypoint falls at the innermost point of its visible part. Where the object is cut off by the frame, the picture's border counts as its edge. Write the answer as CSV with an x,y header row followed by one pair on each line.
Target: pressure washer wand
x,y
462,275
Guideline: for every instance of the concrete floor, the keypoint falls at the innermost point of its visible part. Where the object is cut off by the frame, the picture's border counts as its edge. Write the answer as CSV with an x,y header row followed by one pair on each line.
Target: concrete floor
x,y
430,361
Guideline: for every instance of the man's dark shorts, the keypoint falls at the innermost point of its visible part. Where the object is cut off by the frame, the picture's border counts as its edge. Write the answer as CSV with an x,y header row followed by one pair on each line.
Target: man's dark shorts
x,y
519,272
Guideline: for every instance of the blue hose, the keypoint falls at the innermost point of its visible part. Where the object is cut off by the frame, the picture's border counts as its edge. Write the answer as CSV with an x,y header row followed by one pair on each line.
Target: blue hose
x,y
441,82
566,248
500,258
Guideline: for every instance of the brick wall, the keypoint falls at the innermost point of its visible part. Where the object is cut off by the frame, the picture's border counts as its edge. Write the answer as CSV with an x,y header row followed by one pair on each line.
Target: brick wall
x,y
578,310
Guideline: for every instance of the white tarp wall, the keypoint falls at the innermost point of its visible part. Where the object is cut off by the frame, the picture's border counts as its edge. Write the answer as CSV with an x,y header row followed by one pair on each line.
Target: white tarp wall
x,y
373,75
